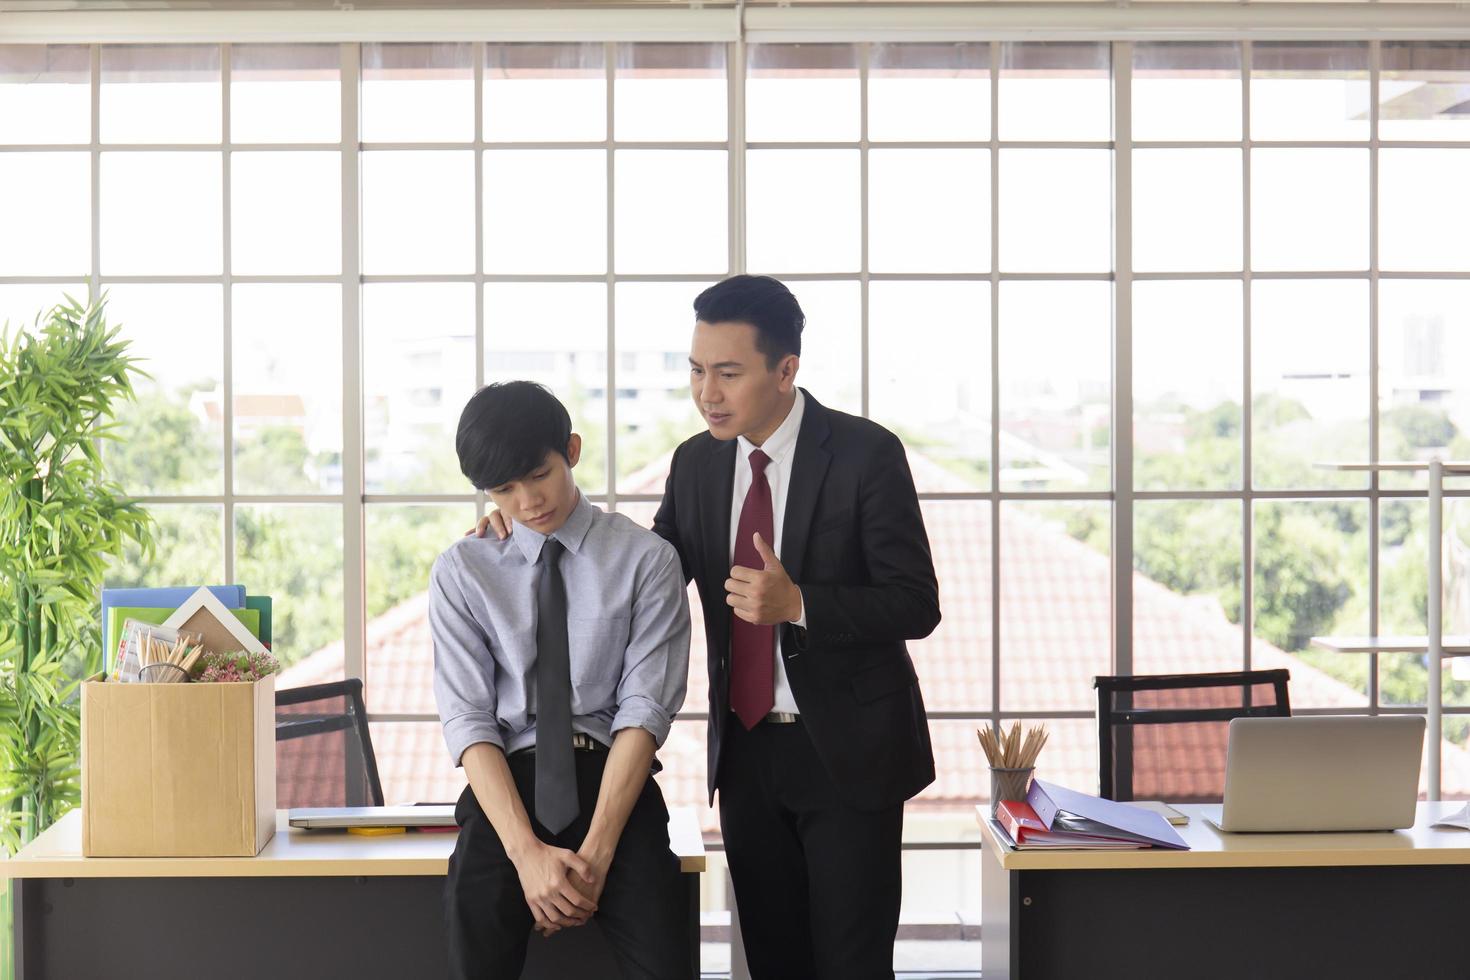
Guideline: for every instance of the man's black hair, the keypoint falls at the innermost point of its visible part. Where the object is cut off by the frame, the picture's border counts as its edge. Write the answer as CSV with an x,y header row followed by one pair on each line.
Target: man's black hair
x,y
506,430
762,302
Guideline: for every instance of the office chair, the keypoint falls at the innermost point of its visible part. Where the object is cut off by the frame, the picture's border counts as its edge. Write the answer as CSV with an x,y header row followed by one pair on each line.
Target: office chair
x,y
324,751
1164,736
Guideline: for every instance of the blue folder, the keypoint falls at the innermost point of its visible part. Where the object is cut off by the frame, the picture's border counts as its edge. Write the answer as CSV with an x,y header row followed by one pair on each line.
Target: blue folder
x,y
168,597
1068,810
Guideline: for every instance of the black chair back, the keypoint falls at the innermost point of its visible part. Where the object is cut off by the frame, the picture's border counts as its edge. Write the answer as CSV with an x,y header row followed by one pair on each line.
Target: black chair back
x,y
1164,736
324,751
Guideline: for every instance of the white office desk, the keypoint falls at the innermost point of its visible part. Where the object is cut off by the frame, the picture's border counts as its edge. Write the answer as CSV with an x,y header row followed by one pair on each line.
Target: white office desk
x,y
312,904
1212,848
293,853
1248,906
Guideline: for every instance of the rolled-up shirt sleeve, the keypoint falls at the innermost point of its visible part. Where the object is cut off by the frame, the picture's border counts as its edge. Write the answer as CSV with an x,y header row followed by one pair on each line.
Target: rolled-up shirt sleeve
x,y
656,662
464,671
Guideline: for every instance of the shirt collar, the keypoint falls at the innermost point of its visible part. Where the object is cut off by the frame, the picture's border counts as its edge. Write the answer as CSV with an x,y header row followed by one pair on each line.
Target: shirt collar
x,y
781,442
571,534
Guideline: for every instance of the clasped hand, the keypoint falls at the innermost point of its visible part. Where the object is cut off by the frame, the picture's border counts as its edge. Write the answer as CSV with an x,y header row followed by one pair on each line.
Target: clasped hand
x,y
561,887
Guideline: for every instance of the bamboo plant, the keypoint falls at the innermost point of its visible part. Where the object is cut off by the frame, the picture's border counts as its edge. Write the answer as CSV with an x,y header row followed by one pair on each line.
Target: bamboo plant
x,y
61,382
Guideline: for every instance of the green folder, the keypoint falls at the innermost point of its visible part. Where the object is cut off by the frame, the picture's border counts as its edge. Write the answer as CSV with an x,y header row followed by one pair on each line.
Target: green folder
x,y
155,617
261,603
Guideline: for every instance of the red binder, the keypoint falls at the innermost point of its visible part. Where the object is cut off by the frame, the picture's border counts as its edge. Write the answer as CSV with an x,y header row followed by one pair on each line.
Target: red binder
x,y
1017,817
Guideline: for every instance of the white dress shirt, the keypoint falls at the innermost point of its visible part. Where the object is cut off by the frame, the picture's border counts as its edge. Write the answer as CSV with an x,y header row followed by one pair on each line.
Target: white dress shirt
x,y
781,448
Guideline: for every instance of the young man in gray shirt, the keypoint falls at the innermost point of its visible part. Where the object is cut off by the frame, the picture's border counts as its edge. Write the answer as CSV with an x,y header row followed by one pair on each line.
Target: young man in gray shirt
x,y
560,657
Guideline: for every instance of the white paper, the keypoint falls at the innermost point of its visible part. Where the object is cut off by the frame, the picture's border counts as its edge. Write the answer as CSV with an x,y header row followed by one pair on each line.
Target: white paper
x,y
1459,820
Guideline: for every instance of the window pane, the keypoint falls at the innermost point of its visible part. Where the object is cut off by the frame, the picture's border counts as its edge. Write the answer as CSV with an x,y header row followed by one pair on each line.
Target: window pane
x,y
418,212
286,213
160,214
1055,406
413,764
160,93
173,435
671,211
1311,579
545,211
293,553
1187,586
1187,352
1423,89
1070,757
188,549
1186,91
1423,395
1186,210
1304,90
1043,190
44,93
285,93
1054,556
556,334
1403,584
939,406
545,92
402,542
418,93
831,346
288,388
49,196
655,322
1309,378
824,188
21,303
670,92
929,92
418,354
1403,592
929,210
802,92
1309,209
953,662
1423,210
1055,91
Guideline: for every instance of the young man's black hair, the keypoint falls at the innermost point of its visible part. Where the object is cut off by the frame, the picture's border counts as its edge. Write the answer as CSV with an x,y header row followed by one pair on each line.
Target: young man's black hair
x,y
762,302
506,430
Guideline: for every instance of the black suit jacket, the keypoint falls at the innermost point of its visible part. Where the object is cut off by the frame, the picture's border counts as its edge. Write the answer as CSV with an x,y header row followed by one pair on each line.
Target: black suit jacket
x,y
853,540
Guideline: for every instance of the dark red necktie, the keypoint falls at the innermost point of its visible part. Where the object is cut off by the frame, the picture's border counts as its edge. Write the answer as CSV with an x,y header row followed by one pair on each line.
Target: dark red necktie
x,y
752,647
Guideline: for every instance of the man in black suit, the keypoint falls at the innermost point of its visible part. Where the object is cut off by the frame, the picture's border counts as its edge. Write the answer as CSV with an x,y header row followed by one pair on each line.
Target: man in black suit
x,y
801,527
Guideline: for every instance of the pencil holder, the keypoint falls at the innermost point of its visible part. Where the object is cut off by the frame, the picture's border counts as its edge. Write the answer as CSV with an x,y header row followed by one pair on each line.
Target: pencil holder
x,y
163,674
1008,784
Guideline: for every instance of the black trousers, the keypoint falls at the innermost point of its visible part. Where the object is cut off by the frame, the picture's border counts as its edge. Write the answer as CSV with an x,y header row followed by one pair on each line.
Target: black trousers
x,y
643,910
818,883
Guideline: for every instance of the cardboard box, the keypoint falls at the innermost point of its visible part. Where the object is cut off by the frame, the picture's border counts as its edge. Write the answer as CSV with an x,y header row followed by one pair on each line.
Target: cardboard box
x,y
178,770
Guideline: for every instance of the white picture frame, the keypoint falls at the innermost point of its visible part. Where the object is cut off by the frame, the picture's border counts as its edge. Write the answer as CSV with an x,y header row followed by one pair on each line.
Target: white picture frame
x,y
205,601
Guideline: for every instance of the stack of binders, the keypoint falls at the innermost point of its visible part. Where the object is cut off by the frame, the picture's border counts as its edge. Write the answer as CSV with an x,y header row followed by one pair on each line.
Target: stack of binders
x,y
1052,816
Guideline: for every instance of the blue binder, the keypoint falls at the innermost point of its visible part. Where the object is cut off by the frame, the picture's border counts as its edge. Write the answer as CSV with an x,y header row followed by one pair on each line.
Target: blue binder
x,y
168,597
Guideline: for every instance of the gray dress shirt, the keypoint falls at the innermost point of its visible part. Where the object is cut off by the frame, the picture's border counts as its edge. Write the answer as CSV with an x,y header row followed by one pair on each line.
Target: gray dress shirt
x,y
627,631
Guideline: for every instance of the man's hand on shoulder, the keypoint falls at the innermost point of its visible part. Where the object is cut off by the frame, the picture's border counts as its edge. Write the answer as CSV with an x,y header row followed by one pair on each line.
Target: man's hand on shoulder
x,y
495,521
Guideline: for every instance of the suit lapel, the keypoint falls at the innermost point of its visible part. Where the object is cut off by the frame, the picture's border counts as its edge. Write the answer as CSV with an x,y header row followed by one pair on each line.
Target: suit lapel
x,y
807,472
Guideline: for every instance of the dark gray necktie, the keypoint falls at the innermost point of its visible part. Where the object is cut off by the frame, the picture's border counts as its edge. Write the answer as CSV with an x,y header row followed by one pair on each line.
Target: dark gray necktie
x,y
556,775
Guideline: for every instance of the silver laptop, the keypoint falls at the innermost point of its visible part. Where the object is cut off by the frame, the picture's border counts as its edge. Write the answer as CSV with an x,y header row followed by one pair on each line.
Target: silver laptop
x,y
338,817
1330,772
